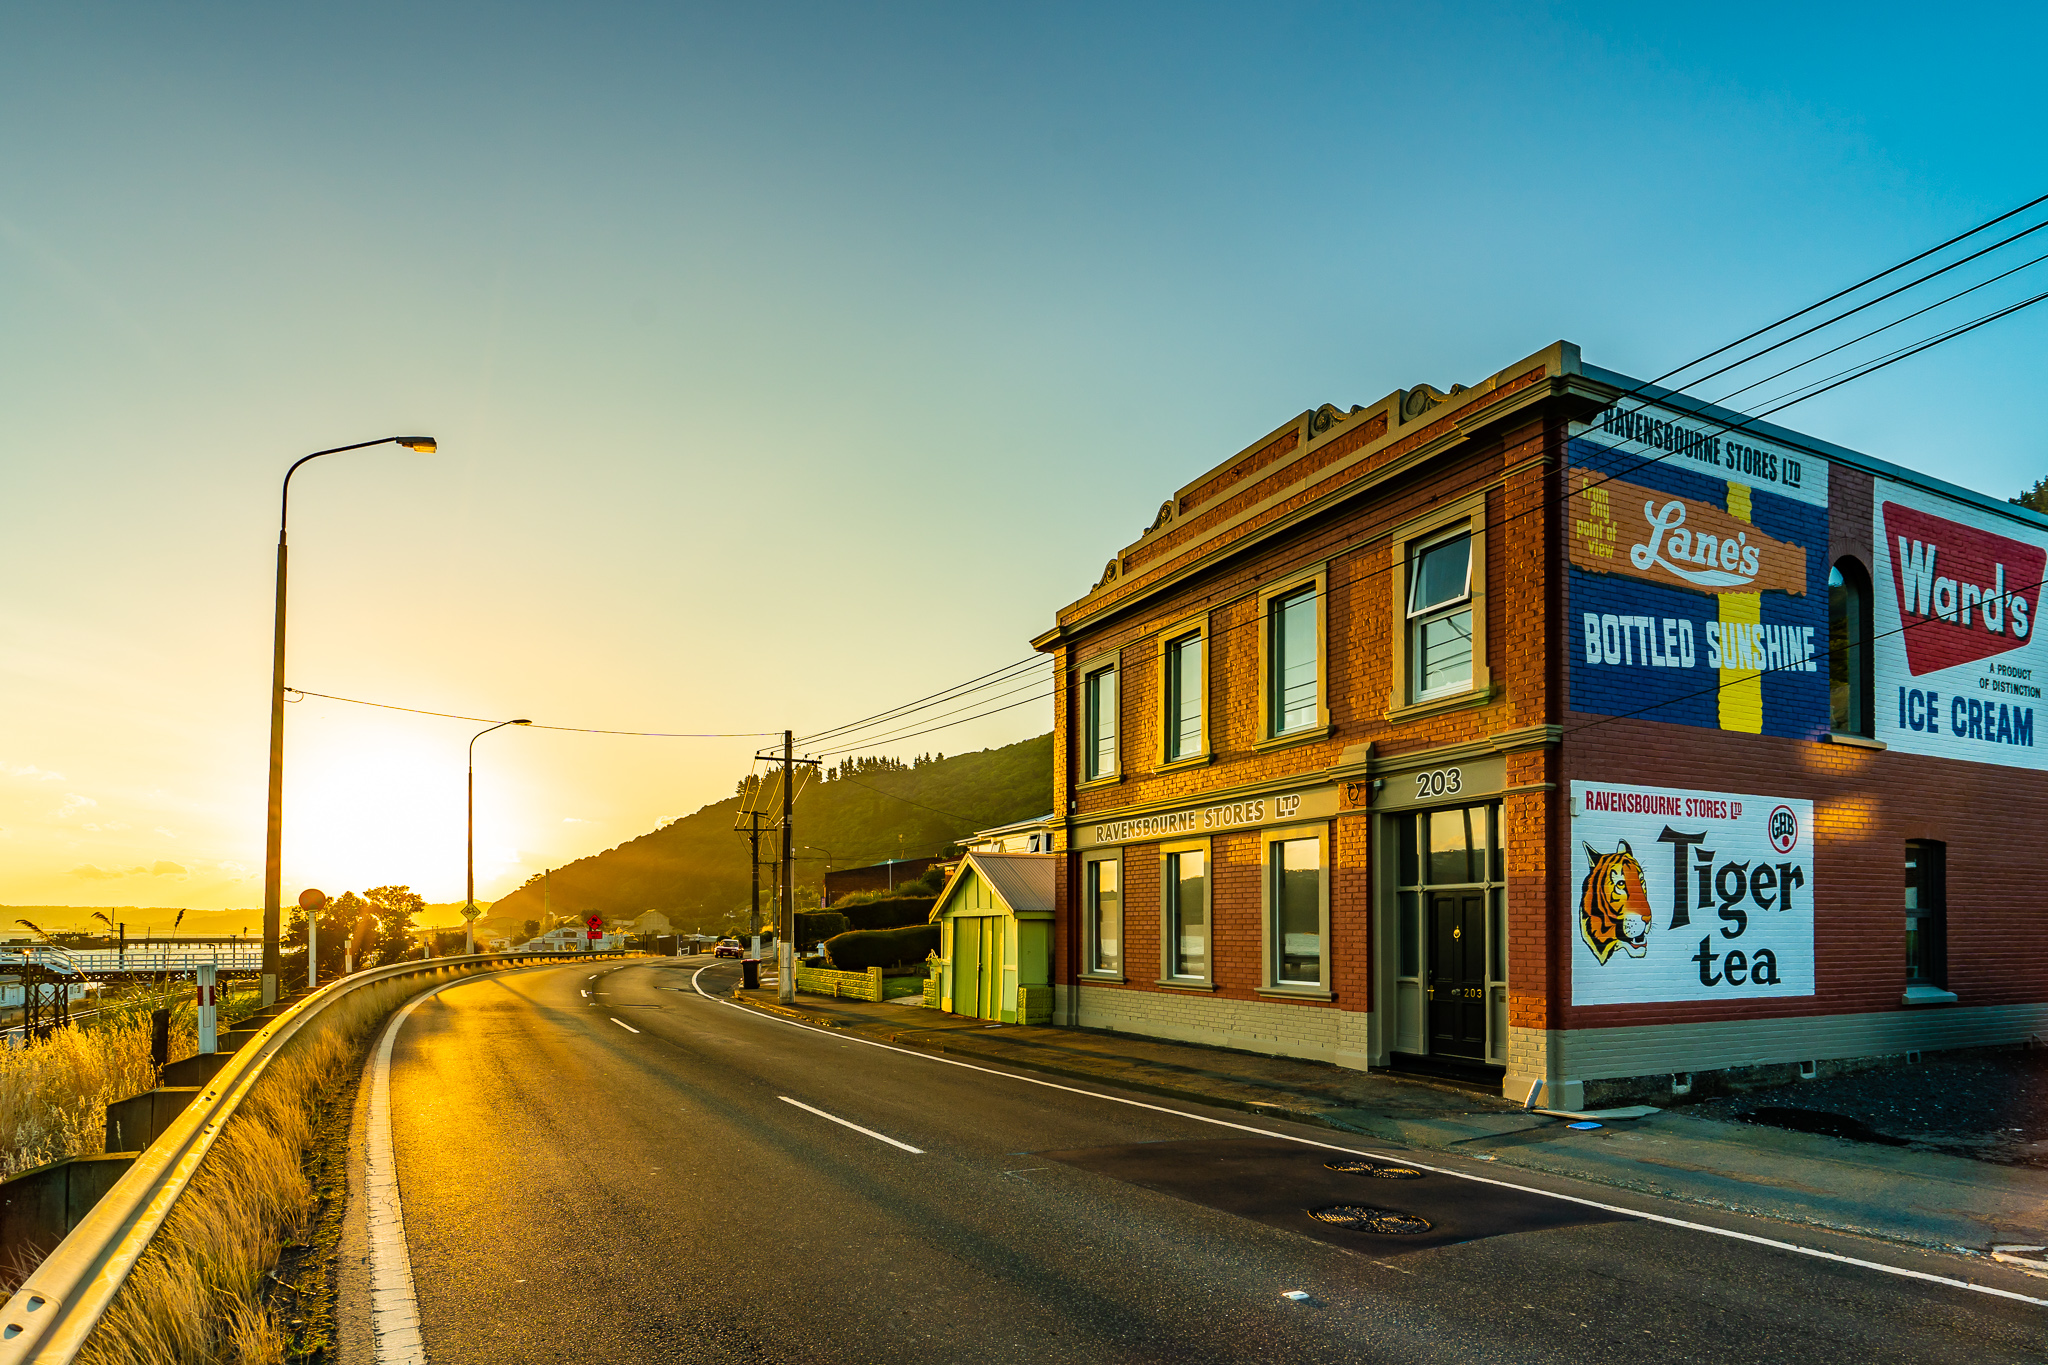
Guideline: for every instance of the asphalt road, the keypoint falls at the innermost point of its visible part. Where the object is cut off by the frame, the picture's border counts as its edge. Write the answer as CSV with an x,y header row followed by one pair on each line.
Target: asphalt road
x,y
644,1173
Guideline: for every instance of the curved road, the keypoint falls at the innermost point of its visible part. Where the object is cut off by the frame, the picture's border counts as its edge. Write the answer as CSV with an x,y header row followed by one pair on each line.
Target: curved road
x,y
610,1165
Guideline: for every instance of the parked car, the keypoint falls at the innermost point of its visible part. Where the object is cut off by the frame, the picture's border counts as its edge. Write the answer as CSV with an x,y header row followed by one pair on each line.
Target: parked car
x,y
728,947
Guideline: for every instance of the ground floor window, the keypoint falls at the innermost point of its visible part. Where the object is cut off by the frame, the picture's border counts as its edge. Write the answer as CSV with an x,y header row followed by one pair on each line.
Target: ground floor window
x,y
1297,895
1103,911
1450,932
1926,913
1184,911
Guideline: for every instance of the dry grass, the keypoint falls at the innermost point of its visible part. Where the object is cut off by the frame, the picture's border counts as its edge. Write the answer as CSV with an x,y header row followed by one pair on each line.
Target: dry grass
x,y
54,1091
197,1295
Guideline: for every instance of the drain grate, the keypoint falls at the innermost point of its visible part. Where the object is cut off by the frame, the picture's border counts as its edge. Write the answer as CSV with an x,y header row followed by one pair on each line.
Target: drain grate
x,y
1359,1218
1376,1169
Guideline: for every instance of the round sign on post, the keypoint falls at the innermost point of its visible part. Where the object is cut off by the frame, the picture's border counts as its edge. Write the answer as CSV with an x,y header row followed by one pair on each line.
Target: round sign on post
x,y
312,901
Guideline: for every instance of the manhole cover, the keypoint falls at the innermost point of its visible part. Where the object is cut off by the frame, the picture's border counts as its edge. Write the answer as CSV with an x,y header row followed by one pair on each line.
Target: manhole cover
x,y
1376,1169
1359,1218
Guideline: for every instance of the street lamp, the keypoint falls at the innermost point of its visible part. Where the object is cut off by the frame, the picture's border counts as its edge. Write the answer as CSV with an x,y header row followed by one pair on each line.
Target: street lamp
x,y
273,837
469,910
829,856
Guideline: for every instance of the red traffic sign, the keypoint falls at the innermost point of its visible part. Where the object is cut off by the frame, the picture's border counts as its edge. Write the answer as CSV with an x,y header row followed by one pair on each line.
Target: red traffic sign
x,y
595,934
595,921
310,899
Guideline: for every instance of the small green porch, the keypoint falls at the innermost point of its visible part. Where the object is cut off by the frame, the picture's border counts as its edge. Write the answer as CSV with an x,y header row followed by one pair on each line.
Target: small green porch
x,y
995,938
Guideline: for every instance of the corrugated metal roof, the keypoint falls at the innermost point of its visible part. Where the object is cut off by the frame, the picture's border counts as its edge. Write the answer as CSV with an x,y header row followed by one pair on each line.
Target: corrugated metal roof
x,y
1023,880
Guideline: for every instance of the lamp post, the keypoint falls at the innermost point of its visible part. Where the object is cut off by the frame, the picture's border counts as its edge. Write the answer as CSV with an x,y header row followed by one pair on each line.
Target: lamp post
x,y
273,838
829,856
469,910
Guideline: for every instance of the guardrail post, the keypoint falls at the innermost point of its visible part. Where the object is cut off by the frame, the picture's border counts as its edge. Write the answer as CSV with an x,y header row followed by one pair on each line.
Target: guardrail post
x,y
160,1037
209,1016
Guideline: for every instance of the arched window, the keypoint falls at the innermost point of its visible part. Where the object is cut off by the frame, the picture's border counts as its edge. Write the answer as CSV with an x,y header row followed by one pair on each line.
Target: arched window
x,y
1849,687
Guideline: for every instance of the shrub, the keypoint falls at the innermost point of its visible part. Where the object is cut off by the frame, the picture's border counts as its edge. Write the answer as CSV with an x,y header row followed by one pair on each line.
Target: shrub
x,y
860,949
889,914
820,924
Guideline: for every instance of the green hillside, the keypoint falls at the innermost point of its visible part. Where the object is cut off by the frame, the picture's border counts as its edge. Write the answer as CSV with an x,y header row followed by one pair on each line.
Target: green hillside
x,y
695,869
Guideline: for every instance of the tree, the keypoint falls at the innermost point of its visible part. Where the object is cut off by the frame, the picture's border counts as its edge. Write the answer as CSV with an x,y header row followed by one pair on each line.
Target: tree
x,y
394,907
531,928
2035,499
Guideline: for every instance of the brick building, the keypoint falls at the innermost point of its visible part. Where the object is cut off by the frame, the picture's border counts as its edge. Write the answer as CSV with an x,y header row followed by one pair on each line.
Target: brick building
x,y
1500,730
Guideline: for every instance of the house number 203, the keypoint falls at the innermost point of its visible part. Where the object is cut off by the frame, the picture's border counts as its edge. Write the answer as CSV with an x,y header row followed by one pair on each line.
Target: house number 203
x,y
1440,782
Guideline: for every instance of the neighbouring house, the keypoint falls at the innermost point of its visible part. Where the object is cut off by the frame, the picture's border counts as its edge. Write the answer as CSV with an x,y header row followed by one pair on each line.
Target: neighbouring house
x,y
1023,836
995,919
650,922
1557,729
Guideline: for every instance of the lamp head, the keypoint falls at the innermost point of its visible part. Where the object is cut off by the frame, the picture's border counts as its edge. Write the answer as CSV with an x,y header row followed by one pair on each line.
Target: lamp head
x,y
522,722
423,444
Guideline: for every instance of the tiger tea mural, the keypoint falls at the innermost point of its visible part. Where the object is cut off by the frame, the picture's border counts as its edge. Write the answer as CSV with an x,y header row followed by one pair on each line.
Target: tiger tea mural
x,y
1724,881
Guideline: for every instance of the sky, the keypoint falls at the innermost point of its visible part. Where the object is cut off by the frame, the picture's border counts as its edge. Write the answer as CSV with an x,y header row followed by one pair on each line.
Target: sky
x,y
790,362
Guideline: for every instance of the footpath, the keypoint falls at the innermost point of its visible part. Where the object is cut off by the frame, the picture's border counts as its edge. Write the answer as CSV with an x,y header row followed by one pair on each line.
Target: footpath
x,y
1925,1199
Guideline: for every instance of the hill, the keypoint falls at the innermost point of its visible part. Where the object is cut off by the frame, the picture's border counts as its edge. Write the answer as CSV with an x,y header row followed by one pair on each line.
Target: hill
x,y
694,870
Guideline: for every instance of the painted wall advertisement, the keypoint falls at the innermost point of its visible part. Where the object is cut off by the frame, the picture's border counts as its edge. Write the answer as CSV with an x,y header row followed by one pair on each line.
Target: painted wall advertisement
x,y
1698,575
1957,665
1690,895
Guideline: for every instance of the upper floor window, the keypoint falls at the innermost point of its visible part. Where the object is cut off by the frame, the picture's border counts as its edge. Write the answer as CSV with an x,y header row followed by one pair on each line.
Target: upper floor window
x,y
1849,683
1293,690
1184,697
1440,617
1099,722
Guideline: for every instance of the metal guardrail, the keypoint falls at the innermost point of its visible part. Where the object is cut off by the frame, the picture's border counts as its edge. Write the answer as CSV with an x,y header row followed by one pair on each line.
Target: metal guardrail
x,y
49,1318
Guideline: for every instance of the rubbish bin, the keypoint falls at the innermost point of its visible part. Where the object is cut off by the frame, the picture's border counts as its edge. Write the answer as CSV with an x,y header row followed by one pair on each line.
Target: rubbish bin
x,y
750,973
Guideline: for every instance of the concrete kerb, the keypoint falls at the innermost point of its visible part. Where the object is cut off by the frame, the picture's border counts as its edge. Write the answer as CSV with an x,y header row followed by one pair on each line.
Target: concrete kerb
x,y
57,1307
1924,1200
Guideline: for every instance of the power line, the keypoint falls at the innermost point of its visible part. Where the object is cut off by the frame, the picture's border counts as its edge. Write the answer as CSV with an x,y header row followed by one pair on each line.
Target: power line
x,y
575,729
943,695
1047,696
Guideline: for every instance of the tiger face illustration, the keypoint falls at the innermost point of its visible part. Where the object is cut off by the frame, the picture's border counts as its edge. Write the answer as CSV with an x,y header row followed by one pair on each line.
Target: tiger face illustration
x,y
1614,912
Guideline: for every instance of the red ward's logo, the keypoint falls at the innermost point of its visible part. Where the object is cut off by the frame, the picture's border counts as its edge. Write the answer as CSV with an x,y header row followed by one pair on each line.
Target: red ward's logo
x,y
1964,594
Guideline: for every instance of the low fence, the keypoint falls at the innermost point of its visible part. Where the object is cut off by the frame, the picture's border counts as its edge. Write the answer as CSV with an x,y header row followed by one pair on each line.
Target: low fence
x,y
53,1313
871,984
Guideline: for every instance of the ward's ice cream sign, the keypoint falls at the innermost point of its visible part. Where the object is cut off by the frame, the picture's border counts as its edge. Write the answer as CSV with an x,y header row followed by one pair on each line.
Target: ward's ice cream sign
x,y
1689,895
1957,665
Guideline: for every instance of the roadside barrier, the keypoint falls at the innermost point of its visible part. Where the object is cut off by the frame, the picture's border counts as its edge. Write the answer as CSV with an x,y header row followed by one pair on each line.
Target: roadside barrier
x,y
49,1318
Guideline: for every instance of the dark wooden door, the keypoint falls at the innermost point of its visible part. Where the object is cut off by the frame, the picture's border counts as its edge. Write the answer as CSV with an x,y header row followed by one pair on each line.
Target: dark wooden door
x,y
1457,974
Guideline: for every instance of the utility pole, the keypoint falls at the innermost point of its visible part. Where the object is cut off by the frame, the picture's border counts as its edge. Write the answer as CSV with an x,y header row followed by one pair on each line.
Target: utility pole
x,y
785,950
754,919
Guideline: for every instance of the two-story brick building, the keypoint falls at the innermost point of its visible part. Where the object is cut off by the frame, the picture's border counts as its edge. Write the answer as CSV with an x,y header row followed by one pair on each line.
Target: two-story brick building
x,y
1501,729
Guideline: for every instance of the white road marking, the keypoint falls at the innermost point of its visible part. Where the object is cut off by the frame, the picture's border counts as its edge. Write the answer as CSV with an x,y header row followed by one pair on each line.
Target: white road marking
x,y
394,1307
1403,1159
624,1025
843,1123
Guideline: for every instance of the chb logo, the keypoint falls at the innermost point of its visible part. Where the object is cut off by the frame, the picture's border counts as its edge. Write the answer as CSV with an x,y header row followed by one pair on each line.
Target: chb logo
x,y
1784,829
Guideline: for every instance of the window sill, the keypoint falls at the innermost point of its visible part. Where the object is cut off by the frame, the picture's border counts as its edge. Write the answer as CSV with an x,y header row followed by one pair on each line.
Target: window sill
x,y
1107,781
1856,741
1174,765
1293,739
1928,995
1293,993
1099,979
1185,983
1478,696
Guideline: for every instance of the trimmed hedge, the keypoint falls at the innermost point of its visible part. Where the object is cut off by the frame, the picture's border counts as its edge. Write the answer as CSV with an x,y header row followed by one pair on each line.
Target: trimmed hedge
x,y
889,914
861,949
820,924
